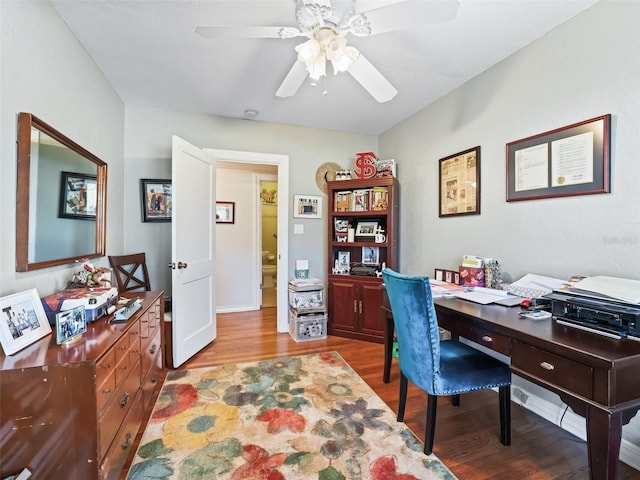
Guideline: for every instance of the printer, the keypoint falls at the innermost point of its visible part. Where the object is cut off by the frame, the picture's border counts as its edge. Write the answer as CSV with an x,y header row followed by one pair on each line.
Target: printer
x,y
604,305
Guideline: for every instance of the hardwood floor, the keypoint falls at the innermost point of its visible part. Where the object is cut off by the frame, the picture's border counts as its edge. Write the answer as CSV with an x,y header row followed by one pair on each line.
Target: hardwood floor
x,y
467,437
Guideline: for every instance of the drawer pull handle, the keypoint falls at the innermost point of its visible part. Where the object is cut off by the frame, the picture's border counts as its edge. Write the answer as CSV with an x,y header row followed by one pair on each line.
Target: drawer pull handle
x,y
153,348
547,366
154,378
107,390
106,365
355,306
127,441
487,339
125,400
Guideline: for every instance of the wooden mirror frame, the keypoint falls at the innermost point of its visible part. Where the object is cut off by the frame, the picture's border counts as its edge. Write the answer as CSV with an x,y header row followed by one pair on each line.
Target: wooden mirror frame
x,y
26,122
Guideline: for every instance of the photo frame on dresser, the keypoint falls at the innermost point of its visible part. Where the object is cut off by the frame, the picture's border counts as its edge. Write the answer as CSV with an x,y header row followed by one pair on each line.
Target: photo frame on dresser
x,y
22,320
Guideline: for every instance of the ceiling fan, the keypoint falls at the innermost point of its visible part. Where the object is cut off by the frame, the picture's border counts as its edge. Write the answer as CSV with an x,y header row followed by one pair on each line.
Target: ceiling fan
x,y
326,23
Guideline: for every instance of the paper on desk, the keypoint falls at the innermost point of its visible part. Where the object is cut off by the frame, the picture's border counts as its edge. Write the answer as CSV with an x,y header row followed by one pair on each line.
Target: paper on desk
x,y
623,289
441,289
483,295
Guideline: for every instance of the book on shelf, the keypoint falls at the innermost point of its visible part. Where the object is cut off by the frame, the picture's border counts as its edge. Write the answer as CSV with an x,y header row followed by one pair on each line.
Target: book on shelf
x,y
379,198
342,201
361,200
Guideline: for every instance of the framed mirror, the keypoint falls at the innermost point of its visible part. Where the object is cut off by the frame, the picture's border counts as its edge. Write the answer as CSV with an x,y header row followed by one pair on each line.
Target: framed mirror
x,y
60,198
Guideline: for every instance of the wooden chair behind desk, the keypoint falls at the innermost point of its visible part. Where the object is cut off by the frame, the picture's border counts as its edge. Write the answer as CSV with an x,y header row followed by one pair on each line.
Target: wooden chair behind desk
x,y
132,275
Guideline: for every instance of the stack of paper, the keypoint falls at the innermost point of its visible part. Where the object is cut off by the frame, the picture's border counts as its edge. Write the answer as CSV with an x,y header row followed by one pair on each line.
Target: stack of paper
x,y
483,295
623,289
443,289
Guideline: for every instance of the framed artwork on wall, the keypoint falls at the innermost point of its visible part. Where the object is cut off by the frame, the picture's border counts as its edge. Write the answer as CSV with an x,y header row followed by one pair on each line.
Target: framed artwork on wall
x,y
459,187
156,200
307,206
225,212
572,160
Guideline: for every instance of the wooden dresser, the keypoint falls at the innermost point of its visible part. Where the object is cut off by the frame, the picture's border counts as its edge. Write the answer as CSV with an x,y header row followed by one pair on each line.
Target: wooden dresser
x,y
74,412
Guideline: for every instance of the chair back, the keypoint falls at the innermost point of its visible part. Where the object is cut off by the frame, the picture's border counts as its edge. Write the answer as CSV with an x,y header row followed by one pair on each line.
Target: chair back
x,y
416,326
130,272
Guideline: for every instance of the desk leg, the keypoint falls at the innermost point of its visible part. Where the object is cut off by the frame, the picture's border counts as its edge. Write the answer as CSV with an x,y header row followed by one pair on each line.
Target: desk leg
x,y
388,346
604,433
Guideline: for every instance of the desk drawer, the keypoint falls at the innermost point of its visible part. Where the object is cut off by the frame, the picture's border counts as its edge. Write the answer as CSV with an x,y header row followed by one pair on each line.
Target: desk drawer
x,y
557,370
492,340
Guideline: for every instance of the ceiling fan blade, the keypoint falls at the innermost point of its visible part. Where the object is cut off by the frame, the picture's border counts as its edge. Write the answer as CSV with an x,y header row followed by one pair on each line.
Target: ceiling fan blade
x,y
226,31
407,14
293,81
372,80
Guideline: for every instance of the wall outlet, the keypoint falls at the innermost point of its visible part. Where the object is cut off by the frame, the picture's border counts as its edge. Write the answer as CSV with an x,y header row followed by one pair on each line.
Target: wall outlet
x,y
520,395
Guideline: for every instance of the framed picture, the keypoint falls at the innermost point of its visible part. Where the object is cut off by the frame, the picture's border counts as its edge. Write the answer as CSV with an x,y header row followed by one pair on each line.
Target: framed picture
x,y
78,196
449,276
70,325
343,264
366,231
371,255
307,206
572,160
22,320
225,212
459,188
156,200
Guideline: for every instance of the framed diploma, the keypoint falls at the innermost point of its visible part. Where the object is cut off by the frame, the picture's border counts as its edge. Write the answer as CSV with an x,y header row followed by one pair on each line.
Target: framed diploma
x,y
460,183
572,160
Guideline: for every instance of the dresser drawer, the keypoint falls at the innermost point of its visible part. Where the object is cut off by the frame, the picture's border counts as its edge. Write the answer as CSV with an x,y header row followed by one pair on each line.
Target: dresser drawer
x,y
118,407
121,348
150,351
106,390
152,381
105,366
554,369
121,447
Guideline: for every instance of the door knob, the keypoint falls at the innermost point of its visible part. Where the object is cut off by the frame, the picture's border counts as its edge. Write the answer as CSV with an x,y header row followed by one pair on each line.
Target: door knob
x,y
181,265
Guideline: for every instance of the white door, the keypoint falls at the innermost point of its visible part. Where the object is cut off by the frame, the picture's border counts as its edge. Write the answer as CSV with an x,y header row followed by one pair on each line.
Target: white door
x,y
193,317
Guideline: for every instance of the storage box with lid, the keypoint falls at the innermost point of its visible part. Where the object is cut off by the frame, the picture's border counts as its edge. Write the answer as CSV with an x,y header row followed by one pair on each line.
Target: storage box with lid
x,y
310,326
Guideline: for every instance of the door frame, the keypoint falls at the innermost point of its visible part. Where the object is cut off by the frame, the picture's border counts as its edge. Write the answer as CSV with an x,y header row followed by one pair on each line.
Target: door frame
x,y
282,162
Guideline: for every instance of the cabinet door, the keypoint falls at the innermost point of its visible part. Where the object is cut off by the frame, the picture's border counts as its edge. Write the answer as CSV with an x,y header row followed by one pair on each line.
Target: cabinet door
x,y
371,320
343,305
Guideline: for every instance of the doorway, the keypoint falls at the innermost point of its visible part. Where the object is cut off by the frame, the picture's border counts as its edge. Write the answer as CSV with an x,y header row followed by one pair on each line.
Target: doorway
x,y
267,186
256,162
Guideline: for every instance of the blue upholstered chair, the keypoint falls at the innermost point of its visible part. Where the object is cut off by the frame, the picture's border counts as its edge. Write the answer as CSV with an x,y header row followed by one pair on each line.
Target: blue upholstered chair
x,y
439,368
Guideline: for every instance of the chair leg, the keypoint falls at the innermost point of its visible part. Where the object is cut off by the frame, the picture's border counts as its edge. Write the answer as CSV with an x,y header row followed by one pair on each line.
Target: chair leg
x,y
505,414
430,431
455,400
403,396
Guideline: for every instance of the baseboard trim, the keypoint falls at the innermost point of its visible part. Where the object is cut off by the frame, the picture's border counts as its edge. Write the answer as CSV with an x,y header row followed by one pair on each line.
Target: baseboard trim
x,y
572,423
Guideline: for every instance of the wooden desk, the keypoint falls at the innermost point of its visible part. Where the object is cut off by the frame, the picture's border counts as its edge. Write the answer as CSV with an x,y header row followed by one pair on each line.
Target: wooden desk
x,y
595,375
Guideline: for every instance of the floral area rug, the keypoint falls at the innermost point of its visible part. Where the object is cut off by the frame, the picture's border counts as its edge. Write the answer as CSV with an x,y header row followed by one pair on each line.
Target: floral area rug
x,y
306,417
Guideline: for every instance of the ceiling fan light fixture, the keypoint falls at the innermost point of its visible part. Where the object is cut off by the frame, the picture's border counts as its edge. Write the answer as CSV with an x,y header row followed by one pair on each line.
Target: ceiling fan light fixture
x,y
308,51
318,68
343,63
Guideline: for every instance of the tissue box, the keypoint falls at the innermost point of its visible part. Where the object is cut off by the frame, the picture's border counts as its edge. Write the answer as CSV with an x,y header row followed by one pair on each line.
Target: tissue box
x,y
471,276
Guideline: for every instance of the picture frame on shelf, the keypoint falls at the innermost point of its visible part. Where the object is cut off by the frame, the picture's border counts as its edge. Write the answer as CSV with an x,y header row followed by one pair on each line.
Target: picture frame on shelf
x,y
22,321
78,195
341,229
225,212
156,199
567,161
343,264
459,184
307,206
371,255
366,231
449,276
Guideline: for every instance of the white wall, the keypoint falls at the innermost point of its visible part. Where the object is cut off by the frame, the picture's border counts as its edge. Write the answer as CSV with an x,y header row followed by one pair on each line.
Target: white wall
x,y
45,71
585,68
148,150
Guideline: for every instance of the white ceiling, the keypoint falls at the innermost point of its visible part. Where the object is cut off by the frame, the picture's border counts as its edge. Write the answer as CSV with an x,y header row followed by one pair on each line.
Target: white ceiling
x,y
150,53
